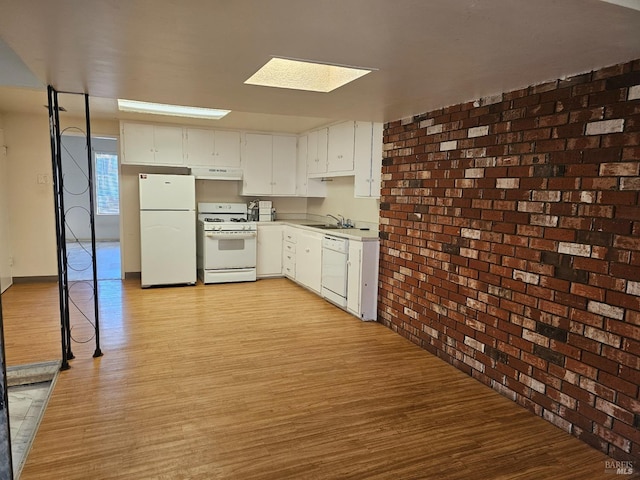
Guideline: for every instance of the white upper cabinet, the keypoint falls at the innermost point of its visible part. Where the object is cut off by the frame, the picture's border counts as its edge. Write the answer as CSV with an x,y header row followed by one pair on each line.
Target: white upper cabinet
x,y
341,148
211,148
317,151
305,186
269,164
283,170
257,160
368,159
144,144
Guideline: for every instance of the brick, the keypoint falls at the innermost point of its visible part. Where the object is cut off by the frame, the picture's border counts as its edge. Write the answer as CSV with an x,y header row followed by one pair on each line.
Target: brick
x,y
507,182
526,277
544,220
605,126
602,336
450,145
630,183
634,93
605,310
549,355
535,338
633,288
478,131
434,129
600,362
622,169
532,383
574,249
614,411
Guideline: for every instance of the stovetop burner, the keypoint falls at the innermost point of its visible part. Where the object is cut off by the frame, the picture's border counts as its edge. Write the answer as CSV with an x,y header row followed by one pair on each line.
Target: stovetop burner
x,y
213,220
238,219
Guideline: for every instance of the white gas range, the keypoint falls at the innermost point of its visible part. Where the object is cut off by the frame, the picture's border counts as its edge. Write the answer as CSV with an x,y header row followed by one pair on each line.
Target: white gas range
x,y
226,243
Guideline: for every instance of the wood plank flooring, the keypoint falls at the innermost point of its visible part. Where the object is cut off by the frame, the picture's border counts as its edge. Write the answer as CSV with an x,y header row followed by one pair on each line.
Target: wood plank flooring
x,y
266,380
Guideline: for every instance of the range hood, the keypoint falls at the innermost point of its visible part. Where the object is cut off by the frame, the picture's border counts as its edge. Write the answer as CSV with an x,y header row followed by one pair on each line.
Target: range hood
x,y
217,173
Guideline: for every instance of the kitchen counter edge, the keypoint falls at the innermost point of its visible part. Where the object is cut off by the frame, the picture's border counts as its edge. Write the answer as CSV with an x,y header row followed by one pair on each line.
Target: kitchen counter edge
x,y
349,233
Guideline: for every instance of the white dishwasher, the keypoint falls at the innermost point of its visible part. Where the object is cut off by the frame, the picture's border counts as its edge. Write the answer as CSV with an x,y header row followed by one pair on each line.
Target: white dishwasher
x,y
334,269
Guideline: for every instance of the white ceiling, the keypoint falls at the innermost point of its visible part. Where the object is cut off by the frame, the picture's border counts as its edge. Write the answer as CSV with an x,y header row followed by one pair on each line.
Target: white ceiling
x,y
428,53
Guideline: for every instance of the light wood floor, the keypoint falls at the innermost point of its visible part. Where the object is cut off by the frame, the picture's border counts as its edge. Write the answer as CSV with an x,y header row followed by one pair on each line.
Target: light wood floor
x,y
265,380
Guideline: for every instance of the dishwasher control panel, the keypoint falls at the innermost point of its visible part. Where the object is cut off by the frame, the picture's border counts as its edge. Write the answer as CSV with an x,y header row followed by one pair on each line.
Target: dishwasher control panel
x,y
335,243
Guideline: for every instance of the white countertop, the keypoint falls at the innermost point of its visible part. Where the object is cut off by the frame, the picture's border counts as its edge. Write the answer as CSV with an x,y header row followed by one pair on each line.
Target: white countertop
x,y
349,233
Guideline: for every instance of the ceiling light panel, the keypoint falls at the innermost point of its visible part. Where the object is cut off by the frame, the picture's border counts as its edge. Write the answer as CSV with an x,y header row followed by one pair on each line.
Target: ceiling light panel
x,y
304,75
171,110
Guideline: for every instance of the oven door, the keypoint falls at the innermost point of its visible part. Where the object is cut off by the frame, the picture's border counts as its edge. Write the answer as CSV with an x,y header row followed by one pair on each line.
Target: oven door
x,y
224,250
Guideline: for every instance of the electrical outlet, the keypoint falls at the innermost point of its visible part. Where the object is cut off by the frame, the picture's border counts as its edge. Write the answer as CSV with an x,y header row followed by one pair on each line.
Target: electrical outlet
x,y
42,179
11,261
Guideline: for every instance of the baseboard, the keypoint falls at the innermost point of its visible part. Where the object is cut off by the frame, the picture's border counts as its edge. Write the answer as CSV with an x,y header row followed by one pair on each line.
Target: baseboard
x,y
132,275
36,279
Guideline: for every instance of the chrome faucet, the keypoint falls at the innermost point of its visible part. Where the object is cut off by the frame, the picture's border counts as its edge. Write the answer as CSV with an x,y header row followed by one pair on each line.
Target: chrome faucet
x,y
339,220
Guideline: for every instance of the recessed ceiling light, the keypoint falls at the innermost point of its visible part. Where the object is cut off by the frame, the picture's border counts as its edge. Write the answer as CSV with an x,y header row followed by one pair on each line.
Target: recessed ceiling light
x,y
632,4
172,110
305,75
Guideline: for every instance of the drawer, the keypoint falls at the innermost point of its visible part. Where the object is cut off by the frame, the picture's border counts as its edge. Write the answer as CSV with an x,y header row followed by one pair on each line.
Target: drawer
x,y
289,265
288,247
289,235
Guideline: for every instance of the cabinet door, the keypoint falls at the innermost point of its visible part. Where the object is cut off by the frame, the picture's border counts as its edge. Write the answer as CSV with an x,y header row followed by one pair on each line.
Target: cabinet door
x,y
256,164
341,144
376,159
362,160
284,165
354,266
137,144
323,149
269,255
168,145
301,166
309,259
227,149
199,147
317,151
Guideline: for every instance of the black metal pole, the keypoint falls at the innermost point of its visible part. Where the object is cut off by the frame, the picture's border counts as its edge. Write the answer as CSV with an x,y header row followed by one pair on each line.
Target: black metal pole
x,y
53,128
97,352
63,222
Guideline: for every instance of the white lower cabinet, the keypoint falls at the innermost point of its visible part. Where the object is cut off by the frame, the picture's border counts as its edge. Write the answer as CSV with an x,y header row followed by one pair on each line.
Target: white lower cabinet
x,y
309,259
269,255
289,252
302,262
362,279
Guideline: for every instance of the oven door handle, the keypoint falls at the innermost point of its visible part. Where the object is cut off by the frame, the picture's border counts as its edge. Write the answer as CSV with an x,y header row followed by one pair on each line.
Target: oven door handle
x,y
230,236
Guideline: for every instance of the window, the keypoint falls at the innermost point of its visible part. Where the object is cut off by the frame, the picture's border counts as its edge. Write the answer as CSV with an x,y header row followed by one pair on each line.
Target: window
x,y
107,189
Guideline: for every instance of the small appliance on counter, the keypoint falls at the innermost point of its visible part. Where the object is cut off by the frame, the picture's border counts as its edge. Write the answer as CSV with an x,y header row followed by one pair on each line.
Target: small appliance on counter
x,y
261,211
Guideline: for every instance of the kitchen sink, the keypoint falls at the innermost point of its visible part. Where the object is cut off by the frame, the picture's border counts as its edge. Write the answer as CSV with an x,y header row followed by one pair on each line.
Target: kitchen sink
x,y
327,227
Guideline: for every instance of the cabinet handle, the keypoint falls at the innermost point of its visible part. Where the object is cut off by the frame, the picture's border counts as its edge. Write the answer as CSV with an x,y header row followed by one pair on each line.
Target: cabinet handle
x,y
307,250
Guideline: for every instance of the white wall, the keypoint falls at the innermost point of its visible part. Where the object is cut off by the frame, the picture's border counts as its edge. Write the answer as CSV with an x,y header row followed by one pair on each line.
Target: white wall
x,y
6,278
76,197
340,200
32,219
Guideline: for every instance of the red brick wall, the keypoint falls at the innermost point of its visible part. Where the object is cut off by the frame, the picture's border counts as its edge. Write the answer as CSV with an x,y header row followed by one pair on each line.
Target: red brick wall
x,y
510,247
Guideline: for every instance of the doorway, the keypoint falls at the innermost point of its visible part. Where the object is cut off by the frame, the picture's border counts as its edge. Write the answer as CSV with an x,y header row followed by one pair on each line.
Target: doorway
x,y
104,158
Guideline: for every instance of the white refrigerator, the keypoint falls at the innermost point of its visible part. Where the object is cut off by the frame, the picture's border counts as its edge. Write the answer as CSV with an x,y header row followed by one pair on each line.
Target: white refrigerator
x,y
167,229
